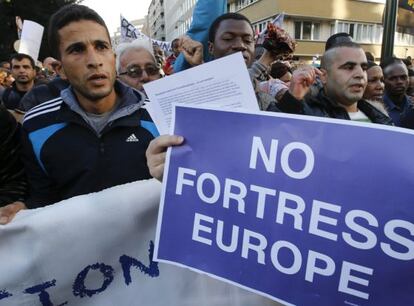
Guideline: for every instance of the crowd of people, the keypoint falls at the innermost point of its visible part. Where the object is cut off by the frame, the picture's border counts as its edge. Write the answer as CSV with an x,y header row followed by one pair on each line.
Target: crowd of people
x,y
78,124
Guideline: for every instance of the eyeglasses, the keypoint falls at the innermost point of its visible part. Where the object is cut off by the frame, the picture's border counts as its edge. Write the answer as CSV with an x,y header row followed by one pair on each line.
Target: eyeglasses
x,y
136,71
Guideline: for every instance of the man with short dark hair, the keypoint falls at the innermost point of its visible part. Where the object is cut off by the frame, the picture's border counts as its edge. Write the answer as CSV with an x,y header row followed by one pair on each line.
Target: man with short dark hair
x,y
396,84
94,135
344,77
24,73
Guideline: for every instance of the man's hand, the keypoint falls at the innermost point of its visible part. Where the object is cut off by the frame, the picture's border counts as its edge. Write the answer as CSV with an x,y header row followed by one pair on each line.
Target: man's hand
x,y
302,80
8,212
156,153
192,50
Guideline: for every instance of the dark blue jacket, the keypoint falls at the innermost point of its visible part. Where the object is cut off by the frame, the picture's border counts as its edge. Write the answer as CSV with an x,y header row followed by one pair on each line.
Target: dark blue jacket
x,y
65,157
42,93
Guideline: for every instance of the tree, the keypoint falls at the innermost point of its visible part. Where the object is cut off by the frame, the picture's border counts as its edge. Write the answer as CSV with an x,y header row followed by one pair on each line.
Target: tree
x,y
38,11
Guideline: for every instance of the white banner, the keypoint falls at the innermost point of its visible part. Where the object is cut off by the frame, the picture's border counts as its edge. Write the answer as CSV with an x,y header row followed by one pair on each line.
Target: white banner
x,y
97,250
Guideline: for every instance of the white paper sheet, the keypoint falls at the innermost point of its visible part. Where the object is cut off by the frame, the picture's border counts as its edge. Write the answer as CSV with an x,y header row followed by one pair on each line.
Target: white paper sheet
x,y
224,83
31,39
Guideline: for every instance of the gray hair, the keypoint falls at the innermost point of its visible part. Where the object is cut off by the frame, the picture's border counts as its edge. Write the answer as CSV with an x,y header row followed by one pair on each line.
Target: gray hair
x,y
137,44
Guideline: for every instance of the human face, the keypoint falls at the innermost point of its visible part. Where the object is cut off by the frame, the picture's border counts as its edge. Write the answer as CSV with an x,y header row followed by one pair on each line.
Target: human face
x,y
396,79
375,85
142,59
233,36
22,71
88,63
346,78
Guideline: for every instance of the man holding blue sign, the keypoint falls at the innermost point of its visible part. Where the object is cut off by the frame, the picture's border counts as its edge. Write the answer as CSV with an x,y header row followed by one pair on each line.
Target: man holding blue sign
x,y
299,216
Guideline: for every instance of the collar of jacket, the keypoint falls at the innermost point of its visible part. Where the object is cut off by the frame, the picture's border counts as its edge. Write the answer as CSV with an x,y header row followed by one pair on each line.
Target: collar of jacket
x,y
372,113
131,101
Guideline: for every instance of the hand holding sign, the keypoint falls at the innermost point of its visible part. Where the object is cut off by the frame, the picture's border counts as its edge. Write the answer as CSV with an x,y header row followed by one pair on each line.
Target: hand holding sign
x,y
156,153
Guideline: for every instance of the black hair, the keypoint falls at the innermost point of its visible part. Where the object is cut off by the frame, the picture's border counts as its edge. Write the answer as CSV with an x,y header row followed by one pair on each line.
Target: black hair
x,y
410,72
216,23
371,64
336,39
19,57
64,16
370,56
326,59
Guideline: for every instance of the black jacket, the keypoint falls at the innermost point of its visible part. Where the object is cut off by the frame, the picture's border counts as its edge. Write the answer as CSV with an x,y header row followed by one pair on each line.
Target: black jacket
x,y
11,97
322,106
13,185
43,93
65,157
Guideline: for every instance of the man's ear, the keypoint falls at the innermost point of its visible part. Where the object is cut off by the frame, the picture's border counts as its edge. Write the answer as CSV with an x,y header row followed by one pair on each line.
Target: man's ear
x,y
60,71
324,76
210,48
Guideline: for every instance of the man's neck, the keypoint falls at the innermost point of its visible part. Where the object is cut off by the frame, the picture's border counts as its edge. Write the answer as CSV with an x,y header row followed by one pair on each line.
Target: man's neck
x,y
101,106
353,108
24,87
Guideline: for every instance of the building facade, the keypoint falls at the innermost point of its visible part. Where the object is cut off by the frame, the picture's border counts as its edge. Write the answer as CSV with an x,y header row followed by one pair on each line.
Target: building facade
x,y
312,22
178,17
156,20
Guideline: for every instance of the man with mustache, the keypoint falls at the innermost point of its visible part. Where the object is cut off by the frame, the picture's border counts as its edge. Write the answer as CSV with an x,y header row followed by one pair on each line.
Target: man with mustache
x,y
344,77
24,73
94,135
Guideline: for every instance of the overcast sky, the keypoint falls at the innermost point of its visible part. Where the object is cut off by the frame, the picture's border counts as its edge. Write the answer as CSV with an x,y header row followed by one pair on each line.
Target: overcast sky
x,y
110,10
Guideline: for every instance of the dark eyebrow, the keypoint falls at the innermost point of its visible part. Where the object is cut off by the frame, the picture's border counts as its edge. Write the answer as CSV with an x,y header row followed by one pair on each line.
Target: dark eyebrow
x,y
74,45
98,41
353,64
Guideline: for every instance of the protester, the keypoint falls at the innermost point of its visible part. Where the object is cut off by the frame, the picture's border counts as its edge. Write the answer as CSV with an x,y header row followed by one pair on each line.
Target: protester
x,y
13,184
3,76
24,73
136,64
344,78
97,128
170,60
5,65
159,56
375,85
396,84
49,66
42,93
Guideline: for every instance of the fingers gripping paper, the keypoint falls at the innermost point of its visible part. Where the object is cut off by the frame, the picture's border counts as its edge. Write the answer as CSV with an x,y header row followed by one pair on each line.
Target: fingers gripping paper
x,y
97,250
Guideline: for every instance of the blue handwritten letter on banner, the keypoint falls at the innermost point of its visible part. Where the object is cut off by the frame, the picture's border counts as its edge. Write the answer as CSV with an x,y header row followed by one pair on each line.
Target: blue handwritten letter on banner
x,y
303,210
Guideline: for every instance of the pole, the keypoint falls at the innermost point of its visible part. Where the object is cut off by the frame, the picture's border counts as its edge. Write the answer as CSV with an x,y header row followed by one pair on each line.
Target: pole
x,y
390,24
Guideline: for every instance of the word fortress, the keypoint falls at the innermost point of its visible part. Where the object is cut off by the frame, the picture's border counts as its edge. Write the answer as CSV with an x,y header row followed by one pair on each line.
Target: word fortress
x,y
316,217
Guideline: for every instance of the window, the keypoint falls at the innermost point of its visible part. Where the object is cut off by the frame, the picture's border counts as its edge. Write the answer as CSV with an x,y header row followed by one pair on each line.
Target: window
x,y
360,32
243,3
307,30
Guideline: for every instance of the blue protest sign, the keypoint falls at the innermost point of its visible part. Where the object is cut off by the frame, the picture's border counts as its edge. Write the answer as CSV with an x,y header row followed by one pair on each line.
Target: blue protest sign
x,y
304,210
